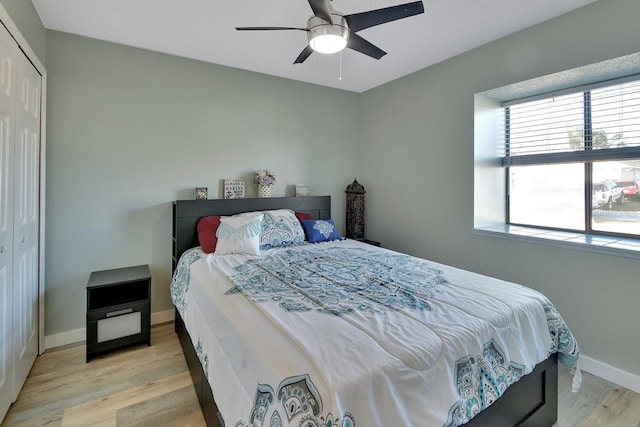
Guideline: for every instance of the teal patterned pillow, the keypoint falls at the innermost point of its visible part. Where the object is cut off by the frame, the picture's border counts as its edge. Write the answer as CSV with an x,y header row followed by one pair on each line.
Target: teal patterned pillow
x,y
280,228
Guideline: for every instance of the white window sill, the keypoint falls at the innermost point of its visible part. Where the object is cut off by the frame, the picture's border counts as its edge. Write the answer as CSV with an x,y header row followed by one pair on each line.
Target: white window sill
x,y
616,246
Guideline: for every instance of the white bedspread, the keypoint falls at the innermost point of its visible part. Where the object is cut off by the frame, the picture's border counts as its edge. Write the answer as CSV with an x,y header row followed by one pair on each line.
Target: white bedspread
x,y
342,334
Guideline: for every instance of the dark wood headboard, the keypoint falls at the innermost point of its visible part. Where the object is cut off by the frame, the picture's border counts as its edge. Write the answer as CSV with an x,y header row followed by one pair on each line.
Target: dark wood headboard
x,y
186,214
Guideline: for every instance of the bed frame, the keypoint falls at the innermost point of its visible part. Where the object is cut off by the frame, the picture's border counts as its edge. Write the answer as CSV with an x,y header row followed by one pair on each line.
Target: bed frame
x,y
532,401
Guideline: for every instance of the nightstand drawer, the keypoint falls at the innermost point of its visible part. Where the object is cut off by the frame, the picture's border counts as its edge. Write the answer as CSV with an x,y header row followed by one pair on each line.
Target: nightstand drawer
x,y
117,310
120,326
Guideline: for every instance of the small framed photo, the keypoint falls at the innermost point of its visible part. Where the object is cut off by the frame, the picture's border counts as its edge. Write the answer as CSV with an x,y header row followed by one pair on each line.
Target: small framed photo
x,y
234,188
201,193
302,190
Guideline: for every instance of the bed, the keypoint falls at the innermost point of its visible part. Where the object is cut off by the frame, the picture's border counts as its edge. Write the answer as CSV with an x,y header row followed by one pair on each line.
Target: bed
x,y
509,393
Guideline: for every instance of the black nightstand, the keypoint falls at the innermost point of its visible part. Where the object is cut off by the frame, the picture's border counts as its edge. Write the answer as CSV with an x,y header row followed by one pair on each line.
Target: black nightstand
x,y
118,309
369,242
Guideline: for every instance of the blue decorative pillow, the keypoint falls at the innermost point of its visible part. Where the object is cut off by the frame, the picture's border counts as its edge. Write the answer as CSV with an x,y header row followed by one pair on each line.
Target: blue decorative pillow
x,y
280,228
320,230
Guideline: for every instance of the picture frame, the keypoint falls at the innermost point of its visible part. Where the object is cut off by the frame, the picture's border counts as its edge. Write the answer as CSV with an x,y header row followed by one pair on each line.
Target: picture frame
x,y
302,190
234,188
202,193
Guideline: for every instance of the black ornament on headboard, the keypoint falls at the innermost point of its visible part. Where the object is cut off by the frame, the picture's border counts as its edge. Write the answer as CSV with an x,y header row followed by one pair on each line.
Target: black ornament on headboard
x,y
355,210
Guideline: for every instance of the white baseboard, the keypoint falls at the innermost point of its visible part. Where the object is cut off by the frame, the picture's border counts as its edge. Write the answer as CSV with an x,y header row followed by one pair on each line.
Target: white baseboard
x,y
64,338
163,317
610,373
78,335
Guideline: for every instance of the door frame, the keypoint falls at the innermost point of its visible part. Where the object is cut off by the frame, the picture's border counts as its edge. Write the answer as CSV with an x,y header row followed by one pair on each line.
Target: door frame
x,y
5,19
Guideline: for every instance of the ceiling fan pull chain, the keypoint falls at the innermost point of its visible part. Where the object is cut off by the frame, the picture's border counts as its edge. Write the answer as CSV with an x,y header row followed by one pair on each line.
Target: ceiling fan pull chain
x,y
340,78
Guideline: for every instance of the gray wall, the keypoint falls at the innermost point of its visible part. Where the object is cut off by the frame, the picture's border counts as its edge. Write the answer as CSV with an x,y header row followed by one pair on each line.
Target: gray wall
x,y
131,130
417,140
24,15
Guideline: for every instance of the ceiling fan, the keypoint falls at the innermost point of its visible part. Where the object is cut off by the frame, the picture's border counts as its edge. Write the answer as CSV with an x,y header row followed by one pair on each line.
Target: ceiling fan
x,y
330,32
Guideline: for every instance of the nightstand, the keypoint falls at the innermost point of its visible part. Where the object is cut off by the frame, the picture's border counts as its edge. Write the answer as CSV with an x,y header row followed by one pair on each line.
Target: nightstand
x,y
369,242
118,309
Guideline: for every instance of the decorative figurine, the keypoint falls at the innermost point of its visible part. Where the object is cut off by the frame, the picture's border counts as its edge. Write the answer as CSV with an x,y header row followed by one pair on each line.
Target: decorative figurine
x,y
355,210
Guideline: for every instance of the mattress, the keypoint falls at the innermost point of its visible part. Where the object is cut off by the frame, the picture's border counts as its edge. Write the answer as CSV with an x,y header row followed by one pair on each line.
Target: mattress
x,y
345,334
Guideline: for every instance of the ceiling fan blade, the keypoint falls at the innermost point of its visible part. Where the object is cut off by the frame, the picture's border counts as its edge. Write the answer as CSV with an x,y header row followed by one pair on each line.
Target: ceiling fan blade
x,y
359,44
306,52
269,28
321,9
360,21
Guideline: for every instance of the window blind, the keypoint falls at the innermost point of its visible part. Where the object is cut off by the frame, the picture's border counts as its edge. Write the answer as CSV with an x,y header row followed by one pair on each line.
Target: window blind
x,y
598,124
615,112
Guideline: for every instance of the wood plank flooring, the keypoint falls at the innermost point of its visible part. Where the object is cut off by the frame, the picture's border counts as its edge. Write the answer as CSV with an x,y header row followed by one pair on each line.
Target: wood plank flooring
x,y
151,386
139,386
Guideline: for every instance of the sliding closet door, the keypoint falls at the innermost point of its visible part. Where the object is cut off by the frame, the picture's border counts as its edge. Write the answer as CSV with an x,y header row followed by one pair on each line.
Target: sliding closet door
x,y
8,54
26,218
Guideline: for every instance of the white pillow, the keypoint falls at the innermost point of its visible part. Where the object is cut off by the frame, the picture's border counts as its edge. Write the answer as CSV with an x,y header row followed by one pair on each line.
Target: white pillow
x,y
239,235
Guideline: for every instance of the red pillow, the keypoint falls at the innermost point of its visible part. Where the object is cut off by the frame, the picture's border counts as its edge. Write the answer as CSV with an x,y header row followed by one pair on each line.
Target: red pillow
x,y
301,216
207,227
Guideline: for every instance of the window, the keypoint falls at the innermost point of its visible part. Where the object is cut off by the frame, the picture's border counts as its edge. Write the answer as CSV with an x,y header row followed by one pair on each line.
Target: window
x,y
572,161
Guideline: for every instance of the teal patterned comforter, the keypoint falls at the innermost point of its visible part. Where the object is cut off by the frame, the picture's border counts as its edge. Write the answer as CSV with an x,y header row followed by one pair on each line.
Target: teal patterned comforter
x,y
326,324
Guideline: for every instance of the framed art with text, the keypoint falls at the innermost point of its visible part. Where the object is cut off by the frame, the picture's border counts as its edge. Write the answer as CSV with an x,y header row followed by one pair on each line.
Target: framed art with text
x,y
234,188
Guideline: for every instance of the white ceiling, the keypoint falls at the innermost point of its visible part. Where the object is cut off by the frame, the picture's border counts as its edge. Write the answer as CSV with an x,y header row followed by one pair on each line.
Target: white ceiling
x,y
205,30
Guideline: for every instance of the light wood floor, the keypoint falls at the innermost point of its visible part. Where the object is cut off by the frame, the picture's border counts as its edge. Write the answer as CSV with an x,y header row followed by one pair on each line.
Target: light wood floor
x,y
150,386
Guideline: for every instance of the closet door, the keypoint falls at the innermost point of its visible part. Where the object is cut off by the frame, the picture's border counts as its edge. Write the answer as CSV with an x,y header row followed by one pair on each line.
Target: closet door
x,y
8,55
25,218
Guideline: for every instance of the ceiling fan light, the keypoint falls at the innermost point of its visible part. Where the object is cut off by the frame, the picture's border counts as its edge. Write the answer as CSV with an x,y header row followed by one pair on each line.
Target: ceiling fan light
x,y
328,43
327,38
